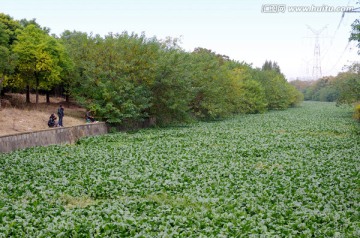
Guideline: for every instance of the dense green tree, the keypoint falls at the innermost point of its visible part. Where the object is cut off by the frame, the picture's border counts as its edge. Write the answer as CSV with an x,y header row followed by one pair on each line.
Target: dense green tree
x,y
353,94
348,85
248,94
276,93
39,57
10,26
172,91
4,55
78,46
210,84
323,90
328,94
295,97
355,33
64,62
279,93
4,36
269,65
7,59
24,23
113,74
301,85
343,89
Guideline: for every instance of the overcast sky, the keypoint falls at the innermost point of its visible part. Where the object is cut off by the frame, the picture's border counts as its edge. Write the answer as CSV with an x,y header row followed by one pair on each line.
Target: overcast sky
x,y
242,29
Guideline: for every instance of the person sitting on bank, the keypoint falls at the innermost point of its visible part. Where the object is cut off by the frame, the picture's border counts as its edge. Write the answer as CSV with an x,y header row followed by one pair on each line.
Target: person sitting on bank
x,y
88,117
52,121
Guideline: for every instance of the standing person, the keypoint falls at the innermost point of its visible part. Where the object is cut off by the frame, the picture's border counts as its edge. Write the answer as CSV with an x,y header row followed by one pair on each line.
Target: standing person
x,y
61,115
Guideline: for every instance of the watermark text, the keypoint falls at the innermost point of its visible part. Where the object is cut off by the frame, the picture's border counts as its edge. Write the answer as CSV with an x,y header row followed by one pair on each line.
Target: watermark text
x,y
282,8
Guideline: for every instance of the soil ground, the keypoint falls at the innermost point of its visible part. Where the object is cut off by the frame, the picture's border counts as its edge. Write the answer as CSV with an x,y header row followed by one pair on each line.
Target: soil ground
x,y
17,116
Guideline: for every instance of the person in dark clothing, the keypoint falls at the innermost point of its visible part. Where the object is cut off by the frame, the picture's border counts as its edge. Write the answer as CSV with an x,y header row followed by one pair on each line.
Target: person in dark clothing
x,y
52,121
61,115
88,117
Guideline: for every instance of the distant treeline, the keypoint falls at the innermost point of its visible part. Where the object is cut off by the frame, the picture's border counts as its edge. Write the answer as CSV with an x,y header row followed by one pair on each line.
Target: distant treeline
x,y
342,89
123,77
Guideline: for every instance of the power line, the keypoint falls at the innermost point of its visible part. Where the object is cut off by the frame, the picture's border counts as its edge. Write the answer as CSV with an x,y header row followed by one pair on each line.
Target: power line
x,y
342,55
355,10
336,30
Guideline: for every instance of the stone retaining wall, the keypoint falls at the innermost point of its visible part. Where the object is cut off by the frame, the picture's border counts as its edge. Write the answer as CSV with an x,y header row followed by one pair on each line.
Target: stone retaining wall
x,y
60,135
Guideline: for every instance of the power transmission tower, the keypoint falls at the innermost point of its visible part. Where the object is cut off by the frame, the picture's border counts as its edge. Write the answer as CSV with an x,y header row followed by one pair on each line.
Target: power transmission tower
x,y
316,73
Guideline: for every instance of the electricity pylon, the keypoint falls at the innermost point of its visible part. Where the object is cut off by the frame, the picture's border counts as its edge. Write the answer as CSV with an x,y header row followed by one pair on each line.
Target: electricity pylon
x,y
316,72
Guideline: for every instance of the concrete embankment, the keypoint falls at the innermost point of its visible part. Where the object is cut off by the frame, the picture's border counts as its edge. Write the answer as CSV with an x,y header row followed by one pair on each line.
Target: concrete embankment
x,y
53,136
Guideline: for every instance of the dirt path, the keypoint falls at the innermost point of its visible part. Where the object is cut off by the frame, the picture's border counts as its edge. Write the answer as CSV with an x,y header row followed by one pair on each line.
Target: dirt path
x,y
19,117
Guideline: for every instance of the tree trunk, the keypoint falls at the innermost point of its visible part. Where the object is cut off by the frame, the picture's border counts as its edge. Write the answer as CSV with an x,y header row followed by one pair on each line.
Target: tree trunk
x,y
47,97
27,94
37,90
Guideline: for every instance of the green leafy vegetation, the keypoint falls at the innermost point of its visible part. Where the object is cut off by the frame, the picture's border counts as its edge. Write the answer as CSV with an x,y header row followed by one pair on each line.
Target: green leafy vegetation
x,y
292,173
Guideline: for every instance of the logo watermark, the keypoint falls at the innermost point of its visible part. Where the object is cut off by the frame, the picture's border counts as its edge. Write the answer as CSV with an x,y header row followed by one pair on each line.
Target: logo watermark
x,y
282,8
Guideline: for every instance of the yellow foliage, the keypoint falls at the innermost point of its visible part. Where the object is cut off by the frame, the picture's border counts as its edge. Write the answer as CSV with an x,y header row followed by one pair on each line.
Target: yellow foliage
x,y
357,112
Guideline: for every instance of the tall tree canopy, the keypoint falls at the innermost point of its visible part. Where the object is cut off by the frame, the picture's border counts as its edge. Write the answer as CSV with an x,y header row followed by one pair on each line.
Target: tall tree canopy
x,y
269,65
4,54
7,58
129,77
355,33
39,59
10,26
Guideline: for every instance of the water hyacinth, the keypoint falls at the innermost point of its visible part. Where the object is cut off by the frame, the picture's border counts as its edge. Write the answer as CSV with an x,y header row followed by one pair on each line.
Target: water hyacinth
x,y
292,173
